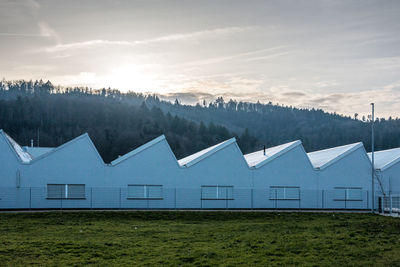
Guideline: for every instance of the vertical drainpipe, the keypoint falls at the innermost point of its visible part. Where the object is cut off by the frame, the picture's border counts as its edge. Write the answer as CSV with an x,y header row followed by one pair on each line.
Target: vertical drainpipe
x,y
318,190
372,157
252,187
252,177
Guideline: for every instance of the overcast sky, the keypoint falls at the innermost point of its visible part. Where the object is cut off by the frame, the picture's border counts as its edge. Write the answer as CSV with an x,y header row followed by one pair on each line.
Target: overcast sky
x,y
335,55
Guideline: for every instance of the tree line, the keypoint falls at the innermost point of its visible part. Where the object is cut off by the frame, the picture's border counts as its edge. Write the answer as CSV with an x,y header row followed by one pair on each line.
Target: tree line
x,y
116,122
119,122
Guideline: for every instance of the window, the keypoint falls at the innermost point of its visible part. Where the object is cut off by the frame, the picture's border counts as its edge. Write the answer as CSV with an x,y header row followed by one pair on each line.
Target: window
x,y
66,191
348,194
145,191
284,193
210,192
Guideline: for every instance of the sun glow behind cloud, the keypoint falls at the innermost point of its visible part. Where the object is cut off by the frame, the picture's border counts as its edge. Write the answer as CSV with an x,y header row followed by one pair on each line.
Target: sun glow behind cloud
x,y
134,78
124,78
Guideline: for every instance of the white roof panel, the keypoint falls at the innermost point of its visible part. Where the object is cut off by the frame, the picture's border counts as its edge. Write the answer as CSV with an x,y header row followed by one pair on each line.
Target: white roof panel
x,y
255,158
385,158
138,150
204,153
24,156
323,158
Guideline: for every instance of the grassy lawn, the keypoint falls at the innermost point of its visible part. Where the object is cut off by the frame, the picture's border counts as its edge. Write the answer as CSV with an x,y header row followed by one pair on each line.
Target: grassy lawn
x,y
198,238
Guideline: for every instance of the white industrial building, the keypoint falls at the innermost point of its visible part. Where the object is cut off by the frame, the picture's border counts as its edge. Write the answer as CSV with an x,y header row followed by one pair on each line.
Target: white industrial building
x,y
74,175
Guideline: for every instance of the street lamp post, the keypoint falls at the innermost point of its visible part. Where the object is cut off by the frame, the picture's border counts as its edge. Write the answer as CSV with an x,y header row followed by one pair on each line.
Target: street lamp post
x,y
372,158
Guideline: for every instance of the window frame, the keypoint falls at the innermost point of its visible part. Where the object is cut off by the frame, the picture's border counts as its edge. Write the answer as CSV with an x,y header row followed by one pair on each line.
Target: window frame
x,y
146,192
66,194
284,192
217,192
346,198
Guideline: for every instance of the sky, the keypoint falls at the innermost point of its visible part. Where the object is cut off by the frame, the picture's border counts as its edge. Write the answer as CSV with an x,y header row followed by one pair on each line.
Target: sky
x,y
336,55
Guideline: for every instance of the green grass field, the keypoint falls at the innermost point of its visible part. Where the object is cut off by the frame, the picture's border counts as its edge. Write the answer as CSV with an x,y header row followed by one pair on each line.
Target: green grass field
x,y
198,238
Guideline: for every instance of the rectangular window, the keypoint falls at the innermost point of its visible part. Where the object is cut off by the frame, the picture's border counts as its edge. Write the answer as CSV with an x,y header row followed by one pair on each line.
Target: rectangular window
x,y
284,193
66,191
76,191
145,191
348,194
218,192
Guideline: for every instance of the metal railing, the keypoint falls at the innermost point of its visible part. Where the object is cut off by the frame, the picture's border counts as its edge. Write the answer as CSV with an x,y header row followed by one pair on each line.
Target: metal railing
x,y
390,204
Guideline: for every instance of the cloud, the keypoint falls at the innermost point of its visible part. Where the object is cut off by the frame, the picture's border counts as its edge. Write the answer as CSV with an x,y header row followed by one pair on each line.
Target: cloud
x,y
393,86
33,5
189,97
47,31
218,32
33,8
19,34
386,99
215,60
44,31
323,84
294,94
86,44
270,56
332,98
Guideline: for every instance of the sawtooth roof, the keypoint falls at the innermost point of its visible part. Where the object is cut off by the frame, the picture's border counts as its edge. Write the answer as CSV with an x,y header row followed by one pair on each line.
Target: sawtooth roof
x,y
323,158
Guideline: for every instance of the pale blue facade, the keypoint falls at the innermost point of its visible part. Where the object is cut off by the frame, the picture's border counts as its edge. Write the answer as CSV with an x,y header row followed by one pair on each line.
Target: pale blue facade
x,y
10,163
352,171
390,178
150,177
387,165
212,171
290,169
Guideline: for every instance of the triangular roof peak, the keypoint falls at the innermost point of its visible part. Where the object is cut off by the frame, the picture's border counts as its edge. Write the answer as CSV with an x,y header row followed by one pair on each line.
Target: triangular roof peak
x,y
23,157
56,149
385,158
258,159
196,157
138,150
323,158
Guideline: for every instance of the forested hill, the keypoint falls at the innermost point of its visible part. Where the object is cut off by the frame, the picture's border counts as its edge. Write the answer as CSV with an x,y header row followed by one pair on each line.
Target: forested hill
x,y
275,124
118,122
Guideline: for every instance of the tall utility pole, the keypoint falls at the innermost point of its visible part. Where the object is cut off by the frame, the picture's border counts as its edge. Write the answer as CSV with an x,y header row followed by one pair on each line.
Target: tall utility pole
x,y
372,157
